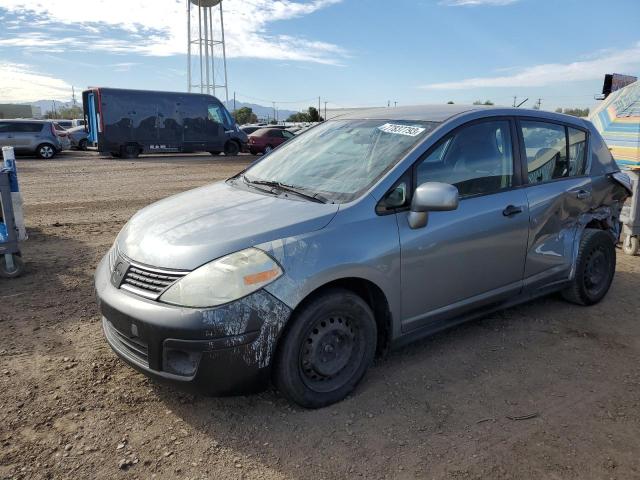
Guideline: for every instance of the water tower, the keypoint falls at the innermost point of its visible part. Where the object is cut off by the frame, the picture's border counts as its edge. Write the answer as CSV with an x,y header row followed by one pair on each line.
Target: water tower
x,y
206,54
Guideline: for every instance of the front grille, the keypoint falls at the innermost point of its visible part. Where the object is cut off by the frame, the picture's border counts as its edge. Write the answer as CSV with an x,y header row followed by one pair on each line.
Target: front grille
x,y
132,347
149,282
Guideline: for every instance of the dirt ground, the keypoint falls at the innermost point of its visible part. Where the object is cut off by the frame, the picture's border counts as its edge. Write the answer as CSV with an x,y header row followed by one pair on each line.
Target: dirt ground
x,y
454,406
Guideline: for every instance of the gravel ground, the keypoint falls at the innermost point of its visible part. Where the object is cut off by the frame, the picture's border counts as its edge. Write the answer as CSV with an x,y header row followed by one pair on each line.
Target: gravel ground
x,y
455,406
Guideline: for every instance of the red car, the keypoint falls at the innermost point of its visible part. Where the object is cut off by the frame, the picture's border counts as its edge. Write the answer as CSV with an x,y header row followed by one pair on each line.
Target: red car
x,y
266,139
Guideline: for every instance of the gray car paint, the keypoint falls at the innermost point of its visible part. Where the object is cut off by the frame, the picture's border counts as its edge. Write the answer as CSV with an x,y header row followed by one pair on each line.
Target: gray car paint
x,y
28,142
463,259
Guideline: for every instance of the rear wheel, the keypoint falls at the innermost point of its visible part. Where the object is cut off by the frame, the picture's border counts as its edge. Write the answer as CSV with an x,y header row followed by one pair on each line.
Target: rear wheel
x,y
129,151
231,148
268,149
82,144
327,350
595,267
11,271
46,151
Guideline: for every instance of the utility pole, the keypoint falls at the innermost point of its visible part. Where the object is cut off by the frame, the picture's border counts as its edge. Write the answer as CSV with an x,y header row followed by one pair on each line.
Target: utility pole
x,y
388,103
539,104
319,106
395,104
515,100
274,112
73,96
234,101
325,109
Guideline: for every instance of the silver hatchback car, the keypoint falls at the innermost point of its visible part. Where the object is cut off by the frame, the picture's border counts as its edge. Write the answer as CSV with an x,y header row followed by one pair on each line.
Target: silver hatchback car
x,y
361,234
29,137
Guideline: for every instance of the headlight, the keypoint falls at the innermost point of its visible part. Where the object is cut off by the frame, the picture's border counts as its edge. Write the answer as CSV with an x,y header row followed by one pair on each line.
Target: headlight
x,y
224,280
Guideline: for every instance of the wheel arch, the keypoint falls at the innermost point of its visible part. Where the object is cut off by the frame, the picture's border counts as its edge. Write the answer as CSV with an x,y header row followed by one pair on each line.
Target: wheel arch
x,y
371,293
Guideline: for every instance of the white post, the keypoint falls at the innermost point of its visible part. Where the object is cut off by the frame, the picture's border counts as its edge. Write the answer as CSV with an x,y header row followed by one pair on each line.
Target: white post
x,y
16,196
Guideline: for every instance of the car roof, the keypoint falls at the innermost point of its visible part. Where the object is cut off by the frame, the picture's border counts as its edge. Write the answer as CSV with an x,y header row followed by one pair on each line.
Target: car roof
x,y
442,113
24,120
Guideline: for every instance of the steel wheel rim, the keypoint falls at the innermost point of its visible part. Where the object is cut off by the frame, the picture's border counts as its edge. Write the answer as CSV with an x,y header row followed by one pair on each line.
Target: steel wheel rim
x,y
331,352
596,271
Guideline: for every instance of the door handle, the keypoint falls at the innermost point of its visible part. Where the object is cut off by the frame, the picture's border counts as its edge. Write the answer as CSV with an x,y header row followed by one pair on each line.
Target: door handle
x,y
511,210
583,194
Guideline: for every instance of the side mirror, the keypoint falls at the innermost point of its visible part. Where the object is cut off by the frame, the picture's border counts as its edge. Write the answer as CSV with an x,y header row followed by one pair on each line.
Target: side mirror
x,y
431,197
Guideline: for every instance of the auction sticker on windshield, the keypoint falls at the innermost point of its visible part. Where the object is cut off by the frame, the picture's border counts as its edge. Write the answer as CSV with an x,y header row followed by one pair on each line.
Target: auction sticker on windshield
x,y
401,129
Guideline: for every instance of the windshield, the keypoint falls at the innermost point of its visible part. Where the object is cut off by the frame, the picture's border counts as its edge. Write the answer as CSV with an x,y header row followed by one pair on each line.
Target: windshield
x,y
339,159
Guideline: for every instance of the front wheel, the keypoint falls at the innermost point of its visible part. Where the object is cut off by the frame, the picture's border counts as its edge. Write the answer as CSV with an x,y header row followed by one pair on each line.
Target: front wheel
x,y
82,144
595,267
327,350
46,151
11,271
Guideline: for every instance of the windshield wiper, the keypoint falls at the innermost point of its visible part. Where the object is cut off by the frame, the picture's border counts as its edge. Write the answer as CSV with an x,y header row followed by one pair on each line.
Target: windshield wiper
x,y
284,187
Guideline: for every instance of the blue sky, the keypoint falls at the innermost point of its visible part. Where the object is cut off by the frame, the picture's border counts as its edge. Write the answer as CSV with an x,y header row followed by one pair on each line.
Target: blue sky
x,y
349,52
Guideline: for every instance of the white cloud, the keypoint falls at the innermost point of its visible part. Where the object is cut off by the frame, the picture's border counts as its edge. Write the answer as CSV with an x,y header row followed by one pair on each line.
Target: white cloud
x,y
19,83
159,28
473,3
619,61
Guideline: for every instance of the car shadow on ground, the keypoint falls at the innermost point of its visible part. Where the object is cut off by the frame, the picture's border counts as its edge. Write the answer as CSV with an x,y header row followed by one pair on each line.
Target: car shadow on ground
x,y
418,400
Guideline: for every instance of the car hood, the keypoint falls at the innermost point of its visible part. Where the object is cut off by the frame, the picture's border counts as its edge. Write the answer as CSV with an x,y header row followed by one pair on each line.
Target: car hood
x,y
190,229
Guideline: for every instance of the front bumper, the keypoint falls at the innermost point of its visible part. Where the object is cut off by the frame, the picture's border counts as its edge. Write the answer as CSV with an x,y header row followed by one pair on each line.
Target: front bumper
x,y
221,351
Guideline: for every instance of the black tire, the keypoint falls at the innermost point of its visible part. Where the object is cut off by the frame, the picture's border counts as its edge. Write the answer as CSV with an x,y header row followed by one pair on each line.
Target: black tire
x,y
268,149
82,144
129,151
327,349
252,151
595,267
16,271
46,151
231,148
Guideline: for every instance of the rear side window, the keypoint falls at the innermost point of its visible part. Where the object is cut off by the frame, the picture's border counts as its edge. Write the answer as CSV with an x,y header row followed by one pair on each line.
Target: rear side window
x,y
30,127
5,127
577,152
477,159
553,151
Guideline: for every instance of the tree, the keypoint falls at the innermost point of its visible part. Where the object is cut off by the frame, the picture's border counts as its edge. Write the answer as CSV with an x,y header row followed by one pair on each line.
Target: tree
x,y
480,102
299,117
314,116
67,113
245,115
311,115
576,112
450,102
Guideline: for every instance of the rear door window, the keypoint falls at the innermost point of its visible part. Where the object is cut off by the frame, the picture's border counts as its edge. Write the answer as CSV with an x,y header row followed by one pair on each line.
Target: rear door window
x,y
546,151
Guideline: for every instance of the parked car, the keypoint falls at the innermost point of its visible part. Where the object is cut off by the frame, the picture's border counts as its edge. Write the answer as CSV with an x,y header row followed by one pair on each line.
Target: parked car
x,y
384,227
78,137
66,124
63,133
33,137
266,139
127,123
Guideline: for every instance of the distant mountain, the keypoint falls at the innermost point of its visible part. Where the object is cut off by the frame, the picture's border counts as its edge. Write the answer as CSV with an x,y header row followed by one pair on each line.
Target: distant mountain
x,y
263,113
48,105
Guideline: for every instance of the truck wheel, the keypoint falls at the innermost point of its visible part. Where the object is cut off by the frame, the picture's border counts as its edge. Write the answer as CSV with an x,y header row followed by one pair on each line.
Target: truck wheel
x,y
15,271
231,148
595,267
327,350
46,151
129,151
631,245
82,144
